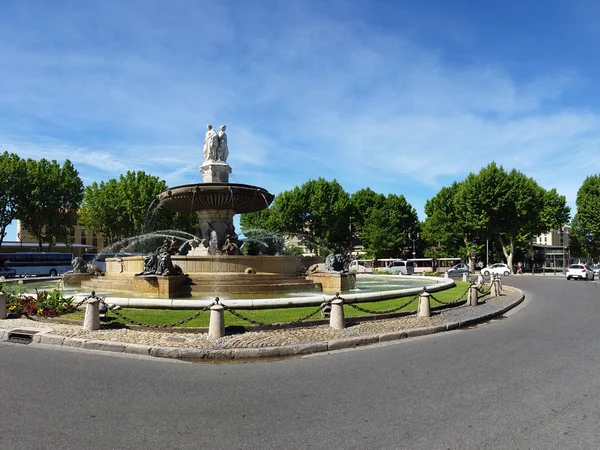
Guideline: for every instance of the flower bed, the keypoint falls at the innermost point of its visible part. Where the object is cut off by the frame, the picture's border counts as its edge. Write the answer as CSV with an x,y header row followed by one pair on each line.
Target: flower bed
x,y
46,303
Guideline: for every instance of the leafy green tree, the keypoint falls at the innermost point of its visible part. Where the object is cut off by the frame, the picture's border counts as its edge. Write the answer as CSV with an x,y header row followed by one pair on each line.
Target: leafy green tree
x,y
319,211
507,206
588,216
442,230
12,182
362,202
128,207
385,228
50,200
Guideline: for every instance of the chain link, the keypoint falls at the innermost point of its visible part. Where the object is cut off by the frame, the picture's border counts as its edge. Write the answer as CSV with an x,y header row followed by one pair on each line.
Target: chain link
x,y
141,324
459,299
387,311
301,319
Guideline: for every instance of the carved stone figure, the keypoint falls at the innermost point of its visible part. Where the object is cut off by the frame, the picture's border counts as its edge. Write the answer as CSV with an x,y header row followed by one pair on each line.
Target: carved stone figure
x,y
150,264
79,265
335,263
211,144
166,267
223,152
231,246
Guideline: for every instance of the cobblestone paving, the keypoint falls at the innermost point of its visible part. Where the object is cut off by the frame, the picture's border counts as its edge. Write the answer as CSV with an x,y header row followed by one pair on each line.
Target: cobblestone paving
x,y
271,338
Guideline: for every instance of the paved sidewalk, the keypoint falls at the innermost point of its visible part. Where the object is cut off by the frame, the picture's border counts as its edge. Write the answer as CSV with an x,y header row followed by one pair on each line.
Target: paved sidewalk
x,y
261,344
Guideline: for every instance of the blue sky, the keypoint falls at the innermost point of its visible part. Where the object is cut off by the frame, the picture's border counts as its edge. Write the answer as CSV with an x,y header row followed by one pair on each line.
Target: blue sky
x,y
403,97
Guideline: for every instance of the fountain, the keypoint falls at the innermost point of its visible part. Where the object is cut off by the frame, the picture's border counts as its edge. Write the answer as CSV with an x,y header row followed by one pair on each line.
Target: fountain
x,y
212,263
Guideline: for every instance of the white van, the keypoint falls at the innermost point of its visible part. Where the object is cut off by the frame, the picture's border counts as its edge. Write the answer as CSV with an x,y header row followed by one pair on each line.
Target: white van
x,y
400,267
361,266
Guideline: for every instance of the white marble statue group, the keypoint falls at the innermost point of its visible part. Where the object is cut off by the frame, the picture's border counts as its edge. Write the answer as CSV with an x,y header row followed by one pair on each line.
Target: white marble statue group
x,y
215,145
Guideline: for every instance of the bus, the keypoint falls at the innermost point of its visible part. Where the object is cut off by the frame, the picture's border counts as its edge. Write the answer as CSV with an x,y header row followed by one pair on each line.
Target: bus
x,y
37,263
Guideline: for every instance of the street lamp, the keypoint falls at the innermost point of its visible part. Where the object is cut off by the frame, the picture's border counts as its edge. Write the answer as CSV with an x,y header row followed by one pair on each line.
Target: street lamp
x,y
413,242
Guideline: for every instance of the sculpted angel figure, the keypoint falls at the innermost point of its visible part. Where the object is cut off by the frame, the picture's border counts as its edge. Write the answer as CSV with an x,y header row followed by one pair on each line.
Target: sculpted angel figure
x,y
211,144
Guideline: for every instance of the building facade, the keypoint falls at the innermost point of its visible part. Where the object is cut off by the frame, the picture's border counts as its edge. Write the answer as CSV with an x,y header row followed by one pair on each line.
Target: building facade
x,y
80,240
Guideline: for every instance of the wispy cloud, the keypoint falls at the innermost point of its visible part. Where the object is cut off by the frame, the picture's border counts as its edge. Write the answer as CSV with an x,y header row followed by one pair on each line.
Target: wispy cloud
x,y
306,91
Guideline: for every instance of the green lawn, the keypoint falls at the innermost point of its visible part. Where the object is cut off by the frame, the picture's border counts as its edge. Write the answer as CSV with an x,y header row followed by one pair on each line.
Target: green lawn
x,y
270,316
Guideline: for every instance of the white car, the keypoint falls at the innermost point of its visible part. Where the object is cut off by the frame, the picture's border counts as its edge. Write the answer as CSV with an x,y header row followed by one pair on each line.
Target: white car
x,y
498,269
580,271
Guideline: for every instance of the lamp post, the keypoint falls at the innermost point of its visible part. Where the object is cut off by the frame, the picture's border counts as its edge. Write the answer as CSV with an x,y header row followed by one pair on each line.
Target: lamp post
x,y
413,242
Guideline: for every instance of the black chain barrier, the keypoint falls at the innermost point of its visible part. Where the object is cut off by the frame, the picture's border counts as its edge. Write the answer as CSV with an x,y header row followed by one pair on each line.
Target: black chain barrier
x,y
459,299
263,324
141,324
387,311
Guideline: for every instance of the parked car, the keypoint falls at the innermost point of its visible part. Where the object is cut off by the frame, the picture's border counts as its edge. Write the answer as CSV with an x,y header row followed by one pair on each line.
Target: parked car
x,y
457,270
580,272
498,269
401,267
596,270
7,272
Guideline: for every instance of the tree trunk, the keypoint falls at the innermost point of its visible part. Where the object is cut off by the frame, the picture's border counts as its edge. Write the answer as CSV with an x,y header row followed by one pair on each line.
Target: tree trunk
x,y
508,255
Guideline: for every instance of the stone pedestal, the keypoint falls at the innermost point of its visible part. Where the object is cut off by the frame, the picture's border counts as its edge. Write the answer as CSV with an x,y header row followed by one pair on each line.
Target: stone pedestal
x,y
336,317
215,226
160,286
216,326
424,309
333,282
215,172
3,312
473,293
91,321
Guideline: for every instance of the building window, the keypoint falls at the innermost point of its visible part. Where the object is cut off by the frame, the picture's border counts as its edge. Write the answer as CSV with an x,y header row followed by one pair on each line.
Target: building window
x,y
72,231
82,232
95,242
83,240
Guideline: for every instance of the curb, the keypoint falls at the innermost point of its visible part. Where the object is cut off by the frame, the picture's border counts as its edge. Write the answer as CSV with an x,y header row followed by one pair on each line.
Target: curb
x,y
285,351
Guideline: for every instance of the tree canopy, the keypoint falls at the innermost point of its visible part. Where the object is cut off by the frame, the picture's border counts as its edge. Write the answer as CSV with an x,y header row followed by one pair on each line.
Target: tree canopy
x,y
128,207
494,204
50,198
586,223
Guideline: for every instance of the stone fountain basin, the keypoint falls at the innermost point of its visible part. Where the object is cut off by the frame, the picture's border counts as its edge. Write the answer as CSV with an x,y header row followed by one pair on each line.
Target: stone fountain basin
x,y
240,198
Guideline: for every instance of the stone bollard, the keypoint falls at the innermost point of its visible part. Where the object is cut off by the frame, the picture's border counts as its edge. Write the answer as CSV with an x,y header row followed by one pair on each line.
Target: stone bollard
x,y
473,301
336,317
498,283
480,280
3,313
424,306
445,274
464,277
91,321
216,326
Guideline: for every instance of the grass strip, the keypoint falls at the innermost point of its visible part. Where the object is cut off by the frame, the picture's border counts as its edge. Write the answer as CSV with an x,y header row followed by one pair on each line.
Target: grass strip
x,y
268,316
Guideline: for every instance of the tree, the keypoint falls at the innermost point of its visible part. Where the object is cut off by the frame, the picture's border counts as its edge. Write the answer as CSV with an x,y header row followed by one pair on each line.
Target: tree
x,y
587,219
385,228
12,182
50,200
509,207
362,202
128,207
442,229
318,211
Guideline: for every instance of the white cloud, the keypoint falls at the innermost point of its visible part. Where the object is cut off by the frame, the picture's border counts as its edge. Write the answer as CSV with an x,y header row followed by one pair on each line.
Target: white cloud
x,y
304,94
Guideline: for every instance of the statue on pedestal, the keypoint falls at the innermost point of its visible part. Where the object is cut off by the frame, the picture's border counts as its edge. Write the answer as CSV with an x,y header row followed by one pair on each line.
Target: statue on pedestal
x,y
211,144
215,145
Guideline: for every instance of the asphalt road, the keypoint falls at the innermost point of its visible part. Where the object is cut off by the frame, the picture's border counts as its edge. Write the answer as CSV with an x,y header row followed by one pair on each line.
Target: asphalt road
x,y
526,381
